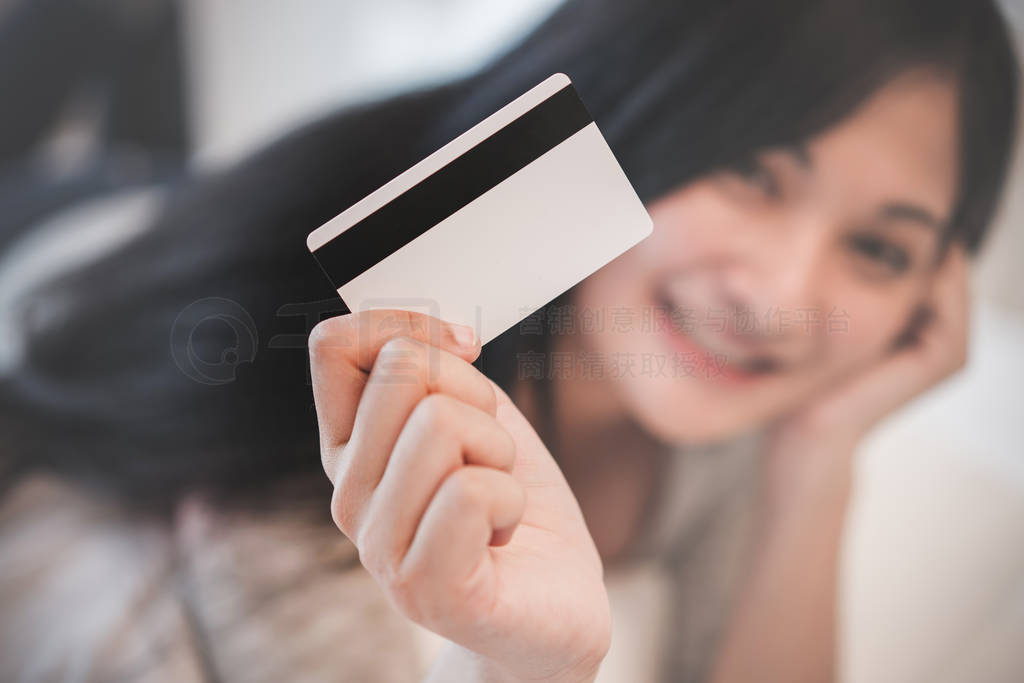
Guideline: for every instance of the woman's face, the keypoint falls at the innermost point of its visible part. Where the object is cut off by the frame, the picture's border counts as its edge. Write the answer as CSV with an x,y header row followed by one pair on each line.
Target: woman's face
x,y
762,287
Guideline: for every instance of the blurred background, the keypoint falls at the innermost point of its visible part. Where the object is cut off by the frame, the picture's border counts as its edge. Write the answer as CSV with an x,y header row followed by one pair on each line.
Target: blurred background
x,y
192,86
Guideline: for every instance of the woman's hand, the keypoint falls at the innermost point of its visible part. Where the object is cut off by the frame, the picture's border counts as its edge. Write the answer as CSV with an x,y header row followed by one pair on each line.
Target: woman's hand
x,y
457,508
934,349
783,627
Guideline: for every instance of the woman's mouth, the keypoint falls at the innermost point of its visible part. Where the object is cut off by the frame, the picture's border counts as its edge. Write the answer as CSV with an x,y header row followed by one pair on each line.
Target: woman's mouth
x,y
709,356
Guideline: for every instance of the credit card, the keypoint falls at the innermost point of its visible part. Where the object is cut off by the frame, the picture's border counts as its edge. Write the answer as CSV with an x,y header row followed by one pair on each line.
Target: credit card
x,y
492,226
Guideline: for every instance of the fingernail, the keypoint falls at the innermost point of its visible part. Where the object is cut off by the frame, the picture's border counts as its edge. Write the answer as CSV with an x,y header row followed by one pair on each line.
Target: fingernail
x,y
464,335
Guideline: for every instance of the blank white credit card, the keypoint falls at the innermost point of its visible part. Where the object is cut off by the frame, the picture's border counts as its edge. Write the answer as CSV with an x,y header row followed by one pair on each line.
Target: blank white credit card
x,y
492,226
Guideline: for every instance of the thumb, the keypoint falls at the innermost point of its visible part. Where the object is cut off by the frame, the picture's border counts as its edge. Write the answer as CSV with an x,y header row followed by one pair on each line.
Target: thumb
x,y
551,503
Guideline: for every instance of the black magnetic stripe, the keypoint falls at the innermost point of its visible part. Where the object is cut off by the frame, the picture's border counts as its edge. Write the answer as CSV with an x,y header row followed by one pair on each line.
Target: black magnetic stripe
x,y
453,186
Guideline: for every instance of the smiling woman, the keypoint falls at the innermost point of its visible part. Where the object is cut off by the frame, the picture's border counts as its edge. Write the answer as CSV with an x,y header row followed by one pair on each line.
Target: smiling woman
x,y
817,173
751,261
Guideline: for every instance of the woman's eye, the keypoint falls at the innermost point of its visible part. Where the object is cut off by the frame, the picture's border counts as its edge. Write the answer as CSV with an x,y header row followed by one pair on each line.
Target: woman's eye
x,y
756,174
882,252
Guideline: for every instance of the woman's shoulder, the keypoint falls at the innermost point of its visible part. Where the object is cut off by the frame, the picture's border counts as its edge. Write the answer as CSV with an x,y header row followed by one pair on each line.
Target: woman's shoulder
x,y
86,586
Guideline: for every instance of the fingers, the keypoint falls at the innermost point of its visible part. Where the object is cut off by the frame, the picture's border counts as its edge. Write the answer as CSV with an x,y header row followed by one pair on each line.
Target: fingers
x,y
449,556
441,436
947,336
343,349
406,371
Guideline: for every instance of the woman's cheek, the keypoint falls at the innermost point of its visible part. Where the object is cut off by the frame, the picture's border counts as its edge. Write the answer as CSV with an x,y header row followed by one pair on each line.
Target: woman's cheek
x,y
865,332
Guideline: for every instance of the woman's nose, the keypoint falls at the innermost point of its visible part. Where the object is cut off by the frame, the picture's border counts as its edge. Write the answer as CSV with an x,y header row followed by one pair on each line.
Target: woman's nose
x,y
783,280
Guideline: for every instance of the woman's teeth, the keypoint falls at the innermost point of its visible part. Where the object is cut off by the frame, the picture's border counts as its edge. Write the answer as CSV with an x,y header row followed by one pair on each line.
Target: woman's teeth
x,y
751,364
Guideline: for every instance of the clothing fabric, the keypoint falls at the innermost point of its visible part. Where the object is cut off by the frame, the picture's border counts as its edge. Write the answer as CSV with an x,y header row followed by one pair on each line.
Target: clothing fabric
x,y
89,592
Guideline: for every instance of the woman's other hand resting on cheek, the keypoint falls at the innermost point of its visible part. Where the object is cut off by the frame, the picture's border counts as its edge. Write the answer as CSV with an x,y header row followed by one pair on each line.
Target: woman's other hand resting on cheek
x,y
455,505
810,466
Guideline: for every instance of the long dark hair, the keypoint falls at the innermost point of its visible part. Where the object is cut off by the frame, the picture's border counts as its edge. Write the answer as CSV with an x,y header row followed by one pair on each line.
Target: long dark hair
x,y
118,387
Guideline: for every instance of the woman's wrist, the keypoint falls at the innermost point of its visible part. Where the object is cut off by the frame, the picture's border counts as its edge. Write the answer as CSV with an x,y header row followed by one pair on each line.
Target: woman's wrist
x,y
783,628
809,467
456,663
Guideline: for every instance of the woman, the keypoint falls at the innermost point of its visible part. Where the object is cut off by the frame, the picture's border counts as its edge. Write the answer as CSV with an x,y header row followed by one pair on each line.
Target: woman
x,y
816,173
